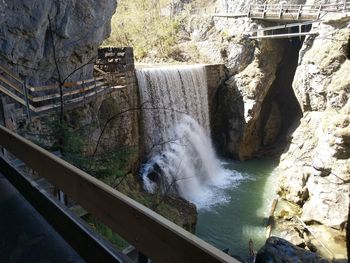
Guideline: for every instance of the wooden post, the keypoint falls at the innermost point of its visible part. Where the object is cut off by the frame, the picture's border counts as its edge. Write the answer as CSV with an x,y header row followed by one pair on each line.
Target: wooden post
x,y
271,216
299,12
248,14
319,12
25,91
264,11
281,10
344,6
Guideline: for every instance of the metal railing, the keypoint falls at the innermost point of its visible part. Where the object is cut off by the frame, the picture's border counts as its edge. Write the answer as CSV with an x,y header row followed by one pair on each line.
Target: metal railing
x,y
153,235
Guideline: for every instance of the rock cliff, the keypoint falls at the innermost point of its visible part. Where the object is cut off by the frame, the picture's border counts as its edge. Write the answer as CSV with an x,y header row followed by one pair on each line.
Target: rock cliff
x,y
286,94
315,170
28,41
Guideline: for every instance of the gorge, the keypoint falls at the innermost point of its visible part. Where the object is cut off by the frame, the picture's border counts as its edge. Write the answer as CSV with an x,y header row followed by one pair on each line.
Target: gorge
x,y
230,125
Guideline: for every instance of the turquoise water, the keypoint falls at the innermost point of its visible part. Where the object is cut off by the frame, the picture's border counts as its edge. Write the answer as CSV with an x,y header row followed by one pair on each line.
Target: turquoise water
x,y
243,213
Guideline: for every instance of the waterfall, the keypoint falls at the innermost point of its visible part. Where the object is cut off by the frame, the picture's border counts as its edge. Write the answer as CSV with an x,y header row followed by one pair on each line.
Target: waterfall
x,y
176,133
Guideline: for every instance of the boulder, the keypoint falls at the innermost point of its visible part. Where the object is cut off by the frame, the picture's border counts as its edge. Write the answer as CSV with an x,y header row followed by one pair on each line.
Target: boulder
x,y
278,250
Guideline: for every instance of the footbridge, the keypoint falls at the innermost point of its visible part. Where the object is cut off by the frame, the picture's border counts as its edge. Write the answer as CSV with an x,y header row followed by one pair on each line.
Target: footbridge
x,y
291,20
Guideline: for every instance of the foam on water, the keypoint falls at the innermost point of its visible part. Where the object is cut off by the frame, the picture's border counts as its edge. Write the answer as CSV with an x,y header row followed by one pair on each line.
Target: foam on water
x,y
176,130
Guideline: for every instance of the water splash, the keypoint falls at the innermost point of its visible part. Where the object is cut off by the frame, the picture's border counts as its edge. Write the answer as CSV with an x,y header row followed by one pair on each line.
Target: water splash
x,y
176,128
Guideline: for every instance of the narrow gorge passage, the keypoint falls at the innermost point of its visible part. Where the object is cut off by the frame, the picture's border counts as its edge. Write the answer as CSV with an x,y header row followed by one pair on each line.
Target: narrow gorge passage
x,y
281,110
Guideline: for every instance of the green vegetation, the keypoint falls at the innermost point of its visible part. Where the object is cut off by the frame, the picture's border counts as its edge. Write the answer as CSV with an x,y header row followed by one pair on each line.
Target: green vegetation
x,y
145,25
106,232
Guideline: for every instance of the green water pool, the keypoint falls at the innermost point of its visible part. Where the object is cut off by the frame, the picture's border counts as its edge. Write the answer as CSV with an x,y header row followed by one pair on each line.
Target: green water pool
x,y
242,216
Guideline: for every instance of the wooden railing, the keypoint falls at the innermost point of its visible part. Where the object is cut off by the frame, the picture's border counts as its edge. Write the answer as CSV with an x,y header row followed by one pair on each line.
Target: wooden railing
x,y
153,235
294,12
39,99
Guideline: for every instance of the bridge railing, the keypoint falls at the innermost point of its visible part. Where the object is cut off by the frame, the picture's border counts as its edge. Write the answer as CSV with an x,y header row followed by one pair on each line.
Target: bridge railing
x,y
295,12
153,235
43,98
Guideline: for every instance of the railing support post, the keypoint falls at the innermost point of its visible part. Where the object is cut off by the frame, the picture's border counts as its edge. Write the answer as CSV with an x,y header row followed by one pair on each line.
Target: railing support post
x,y
319,12
25,91
299,12
281,10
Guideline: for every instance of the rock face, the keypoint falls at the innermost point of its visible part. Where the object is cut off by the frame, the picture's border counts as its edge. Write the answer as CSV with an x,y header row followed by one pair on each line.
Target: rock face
x,y
315,170
28,41
279,250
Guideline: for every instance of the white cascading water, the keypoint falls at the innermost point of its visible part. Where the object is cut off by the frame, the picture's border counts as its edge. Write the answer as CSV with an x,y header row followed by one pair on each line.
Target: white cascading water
x,y
176,131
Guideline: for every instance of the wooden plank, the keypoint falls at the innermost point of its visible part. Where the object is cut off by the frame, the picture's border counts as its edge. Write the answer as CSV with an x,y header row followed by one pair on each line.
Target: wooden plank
x,y
284,35
52,106
44,88
66,85
100,70
12,85
283,26
157,237
12,75
88,245
15,97
69,93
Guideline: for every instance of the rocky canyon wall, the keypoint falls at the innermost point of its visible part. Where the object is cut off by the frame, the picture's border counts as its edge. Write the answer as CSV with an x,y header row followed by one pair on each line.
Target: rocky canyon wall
x,y
286,94
28,42
315,170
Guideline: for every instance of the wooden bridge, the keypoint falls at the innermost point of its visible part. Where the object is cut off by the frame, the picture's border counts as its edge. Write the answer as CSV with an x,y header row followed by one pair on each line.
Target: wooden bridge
x,y
288,17
292,13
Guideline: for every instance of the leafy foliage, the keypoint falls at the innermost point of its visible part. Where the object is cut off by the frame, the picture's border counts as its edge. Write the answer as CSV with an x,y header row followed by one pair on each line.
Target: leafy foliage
x,y
109,167
146,26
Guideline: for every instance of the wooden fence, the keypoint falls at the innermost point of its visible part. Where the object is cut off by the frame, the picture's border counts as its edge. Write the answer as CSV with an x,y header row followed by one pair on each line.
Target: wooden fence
x,y
40,99
153,235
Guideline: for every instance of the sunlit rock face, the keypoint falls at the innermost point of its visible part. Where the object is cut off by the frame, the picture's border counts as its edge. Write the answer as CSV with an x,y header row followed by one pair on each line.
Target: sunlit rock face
x,y
316,168
27,41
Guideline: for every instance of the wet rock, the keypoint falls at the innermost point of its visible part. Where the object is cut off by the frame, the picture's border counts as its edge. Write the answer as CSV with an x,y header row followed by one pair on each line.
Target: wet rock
x,y
278,250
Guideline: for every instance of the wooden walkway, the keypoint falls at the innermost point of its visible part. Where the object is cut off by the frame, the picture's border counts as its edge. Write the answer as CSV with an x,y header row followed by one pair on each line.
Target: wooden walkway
x,y
292,20
44,98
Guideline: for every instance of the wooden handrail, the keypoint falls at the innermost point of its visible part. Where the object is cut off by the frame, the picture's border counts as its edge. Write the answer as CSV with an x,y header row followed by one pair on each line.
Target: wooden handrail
x,y
150,233
12,75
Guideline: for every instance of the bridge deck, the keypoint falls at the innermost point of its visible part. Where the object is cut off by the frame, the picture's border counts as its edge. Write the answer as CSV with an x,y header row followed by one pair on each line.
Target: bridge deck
x,y
25,234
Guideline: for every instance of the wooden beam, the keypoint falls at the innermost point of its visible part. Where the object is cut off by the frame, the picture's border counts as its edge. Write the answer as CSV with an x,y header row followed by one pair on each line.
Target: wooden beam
x,y
283,26
284,35
15,97
228,15
80,237
153,235
12,75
